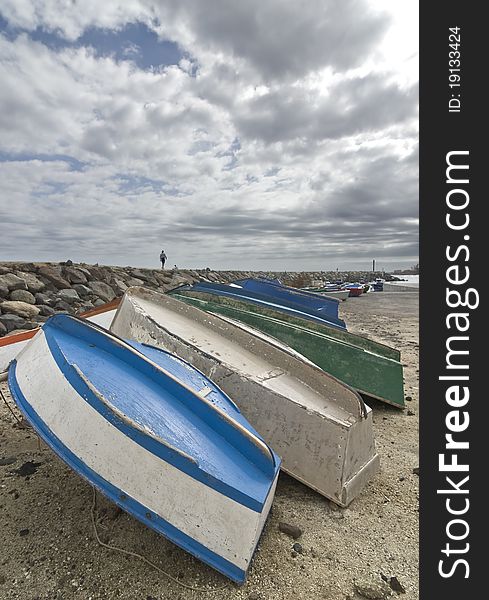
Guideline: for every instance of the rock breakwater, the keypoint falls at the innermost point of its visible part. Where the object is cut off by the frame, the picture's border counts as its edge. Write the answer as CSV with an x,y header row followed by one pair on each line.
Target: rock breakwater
x,y
32,292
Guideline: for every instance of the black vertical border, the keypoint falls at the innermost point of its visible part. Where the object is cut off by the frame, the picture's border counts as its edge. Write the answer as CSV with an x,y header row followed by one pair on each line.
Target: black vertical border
x,y
441,132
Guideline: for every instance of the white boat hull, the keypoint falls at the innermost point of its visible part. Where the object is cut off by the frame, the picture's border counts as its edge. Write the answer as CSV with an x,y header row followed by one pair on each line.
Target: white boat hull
x,y
199,518
321,428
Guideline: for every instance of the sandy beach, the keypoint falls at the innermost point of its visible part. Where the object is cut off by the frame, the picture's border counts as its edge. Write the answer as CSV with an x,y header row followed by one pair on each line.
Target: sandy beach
x,y
48,549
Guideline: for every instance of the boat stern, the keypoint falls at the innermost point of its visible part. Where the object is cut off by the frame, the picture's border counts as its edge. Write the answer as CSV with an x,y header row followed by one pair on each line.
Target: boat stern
x,y
362,461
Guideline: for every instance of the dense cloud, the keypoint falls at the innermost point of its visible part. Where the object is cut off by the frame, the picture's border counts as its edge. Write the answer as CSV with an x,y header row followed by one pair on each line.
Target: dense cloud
x,y
282,135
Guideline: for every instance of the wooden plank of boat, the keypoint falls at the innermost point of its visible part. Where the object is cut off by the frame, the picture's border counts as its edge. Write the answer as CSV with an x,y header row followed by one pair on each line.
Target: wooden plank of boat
x,y
283,293
371,374
11,345
320,427
293,308
153,434
297,319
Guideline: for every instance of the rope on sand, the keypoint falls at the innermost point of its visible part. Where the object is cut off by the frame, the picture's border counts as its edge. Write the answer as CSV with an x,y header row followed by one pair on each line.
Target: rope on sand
x,y
122,550
22,424
136,555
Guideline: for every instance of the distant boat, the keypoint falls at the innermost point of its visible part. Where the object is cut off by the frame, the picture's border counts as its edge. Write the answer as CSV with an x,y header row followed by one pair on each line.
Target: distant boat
x,y
286,306
371,368
320,427
355,289
153,434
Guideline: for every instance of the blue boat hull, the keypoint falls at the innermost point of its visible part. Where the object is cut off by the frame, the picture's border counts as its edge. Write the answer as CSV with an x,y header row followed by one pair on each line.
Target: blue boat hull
x,y
294,296
285,306
153,434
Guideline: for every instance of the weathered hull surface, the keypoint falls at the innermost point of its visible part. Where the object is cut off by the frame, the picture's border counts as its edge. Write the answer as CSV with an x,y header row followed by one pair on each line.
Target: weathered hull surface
x,y
288,307
369,373
321,428
294,319
151,433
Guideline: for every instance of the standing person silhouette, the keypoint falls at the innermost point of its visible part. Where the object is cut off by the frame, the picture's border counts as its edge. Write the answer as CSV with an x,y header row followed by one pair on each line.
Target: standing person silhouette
x,y
162,258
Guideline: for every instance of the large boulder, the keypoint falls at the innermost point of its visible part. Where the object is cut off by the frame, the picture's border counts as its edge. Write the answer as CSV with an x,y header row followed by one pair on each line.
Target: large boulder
x,y
3,291
22,296
21,309
146,276
86,306
163,278
34,284
45,298
85,271
99,273
53,275
118,286
82,290
12,282
62,306
45,310
27,268
68,295
74,275
3,329
102,290
133,281
11,322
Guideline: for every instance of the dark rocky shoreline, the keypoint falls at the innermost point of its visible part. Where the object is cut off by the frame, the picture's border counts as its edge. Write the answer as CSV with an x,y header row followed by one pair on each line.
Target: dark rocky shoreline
x,y
32,292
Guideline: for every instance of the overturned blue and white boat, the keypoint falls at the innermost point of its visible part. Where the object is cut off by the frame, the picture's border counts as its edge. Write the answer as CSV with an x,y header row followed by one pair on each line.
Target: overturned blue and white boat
x,y
153,434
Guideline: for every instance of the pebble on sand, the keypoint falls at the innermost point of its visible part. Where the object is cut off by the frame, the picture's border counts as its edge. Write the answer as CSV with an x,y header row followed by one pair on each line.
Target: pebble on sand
x,y
292,530
373,590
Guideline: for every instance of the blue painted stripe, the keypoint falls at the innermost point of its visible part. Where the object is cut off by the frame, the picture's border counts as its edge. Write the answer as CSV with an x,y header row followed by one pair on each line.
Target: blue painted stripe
x,y
84,333
311,301
130,505
149,443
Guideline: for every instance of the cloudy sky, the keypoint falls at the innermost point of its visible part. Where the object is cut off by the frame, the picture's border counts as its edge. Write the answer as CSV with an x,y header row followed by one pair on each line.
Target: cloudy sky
x,y
266,134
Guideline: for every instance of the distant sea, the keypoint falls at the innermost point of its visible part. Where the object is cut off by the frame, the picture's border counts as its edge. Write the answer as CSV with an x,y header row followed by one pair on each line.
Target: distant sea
x,y
410,280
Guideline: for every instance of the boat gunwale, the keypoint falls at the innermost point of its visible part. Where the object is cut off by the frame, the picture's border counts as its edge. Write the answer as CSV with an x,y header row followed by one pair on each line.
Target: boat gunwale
x,y
188,289
267,302
318,334
228,419
120,497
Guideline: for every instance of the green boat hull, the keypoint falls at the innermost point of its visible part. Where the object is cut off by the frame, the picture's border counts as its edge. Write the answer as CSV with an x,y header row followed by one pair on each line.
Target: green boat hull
x,y
371,368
